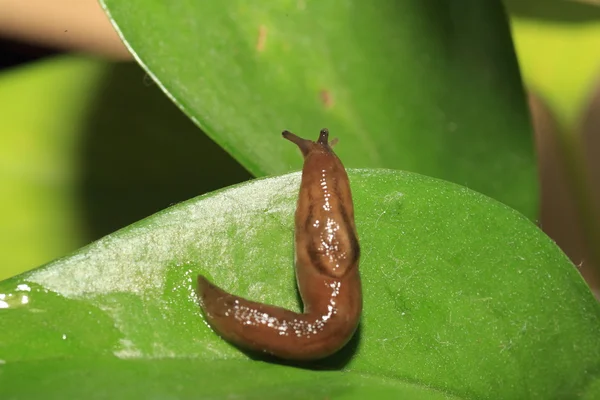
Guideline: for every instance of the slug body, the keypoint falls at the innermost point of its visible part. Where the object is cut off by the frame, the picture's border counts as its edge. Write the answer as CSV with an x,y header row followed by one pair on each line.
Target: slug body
x,y
327,256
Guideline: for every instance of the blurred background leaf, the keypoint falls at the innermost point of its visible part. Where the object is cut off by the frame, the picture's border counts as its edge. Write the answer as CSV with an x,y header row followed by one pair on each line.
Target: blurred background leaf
x,y
43,107
557,43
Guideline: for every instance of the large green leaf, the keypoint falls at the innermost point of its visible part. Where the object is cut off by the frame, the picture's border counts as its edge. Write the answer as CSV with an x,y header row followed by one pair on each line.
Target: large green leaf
x,y
462,297
428,86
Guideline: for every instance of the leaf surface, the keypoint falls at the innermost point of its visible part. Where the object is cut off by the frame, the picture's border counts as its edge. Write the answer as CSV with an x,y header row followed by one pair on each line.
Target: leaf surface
x,y
419,85
462,296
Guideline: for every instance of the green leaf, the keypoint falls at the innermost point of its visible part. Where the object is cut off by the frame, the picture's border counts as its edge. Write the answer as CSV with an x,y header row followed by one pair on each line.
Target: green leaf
x,y
462,297
43,108
426,86
193,379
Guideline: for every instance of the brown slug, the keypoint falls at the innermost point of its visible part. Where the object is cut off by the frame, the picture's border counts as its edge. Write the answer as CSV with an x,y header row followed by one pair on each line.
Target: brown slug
x,y
327,255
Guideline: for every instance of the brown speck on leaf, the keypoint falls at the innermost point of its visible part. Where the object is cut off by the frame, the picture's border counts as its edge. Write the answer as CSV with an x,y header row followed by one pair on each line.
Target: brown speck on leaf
x,y
262,38
326,98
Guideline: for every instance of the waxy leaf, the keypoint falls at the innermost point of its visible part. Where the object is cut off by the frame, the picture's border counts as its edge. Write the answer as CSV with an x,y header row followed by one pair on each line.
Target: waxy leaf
x,y
463,297
426,86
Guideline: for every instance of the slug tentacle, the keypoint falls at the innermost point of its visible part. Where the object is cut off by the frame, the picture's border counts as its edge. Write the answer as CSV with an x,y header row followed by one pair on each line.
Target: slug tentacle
x,y
327,256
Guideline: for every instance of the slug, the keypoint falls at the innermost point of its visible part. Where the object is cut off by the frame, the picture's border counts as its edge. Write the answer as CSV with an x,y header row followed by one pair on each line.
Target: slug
x,y
326,260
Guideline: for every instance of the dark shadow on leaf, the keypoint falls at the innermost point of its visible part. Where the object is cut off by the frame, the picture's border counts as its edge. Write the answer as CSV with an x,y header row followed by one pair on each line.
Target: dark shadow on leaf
x,y
141,154
336,361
